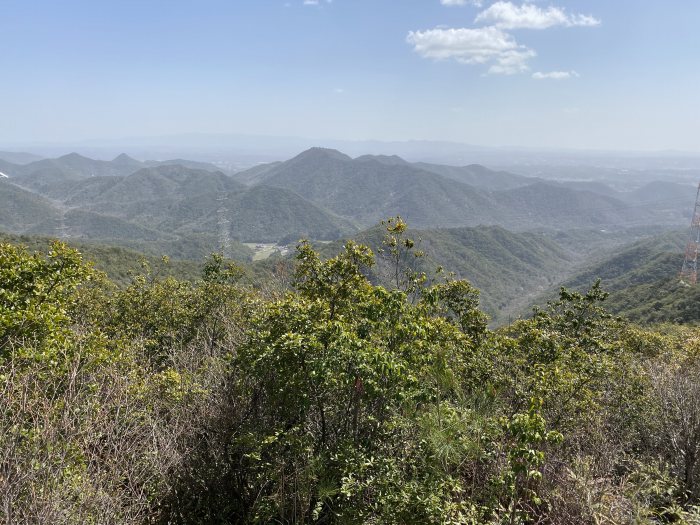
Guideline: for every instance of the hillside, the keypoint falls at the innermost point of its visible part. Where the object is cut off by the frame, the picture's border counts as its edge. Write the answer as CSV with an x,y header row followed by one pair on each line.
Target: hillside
x,y
20,209
643,262
162,183
667,300
172,198
270,214
18,157
392,407
163,204
508,268
120,264
643,283
367,190
478,176
544,204
40,174
256,174
473,175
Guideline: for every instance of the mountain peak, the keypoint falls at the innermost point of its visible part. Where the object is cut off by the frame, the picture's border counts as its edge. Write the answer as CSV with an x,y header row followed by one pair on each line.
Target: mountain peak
x,y
124,159
322,153
74,157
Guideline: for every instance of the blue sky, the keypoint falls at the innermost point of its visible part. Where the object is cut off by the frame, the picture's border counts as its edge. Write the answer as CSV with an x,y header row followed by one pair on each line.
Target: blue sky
x,y
606,74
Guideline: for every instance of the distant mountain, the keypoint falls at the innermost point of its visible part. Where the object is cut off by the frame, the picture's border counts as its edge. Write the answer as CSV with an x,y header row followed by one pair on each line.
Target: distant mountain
x,y
474,175
15,157
165,182
478,176
671,192
546,204
389,160
43,175
322,194
170,201
46,175
186,163
367,189
174,198
275,214
6,169
88,225
128,162
667,201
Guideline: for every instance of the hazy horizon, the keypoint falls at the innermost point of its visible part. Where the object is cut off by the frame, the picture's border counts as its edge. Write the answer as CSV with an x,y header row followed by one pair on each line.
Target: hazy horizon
x,y
565,75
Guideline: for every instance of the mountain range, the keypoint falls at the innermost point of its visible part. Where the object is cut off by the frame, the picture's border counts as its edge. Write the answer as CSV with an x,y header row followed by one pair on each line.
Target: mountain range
x,y
321,194
369,188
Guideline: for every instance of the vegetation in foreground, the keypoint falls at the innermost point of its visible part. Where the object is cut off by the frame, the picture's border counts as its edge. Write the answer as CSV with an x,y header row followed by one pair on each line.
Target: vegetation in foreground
x,y
172,401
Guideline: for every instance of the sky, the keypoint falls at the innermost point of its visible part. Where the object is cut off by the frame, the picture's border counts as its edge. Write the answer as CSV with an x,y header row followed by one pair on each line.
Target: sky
x,y
586,74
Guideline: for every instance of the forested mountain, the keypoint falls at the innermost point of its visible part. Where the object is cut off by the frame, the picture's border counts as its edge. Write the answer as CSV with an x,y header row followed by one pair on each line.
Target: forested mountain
x,y
643,281
543,204
369,188
479,176
508,268
21,209
322,194
40,174
15,157
163,204
256,174
474,175
37,175
119,264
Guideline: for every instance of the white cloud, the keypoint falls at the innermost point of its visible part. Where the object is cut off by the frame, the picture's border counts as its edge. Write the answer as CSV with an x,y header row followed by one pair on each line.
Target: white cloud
x,y
555,75
507,15
485,45
461,2
316,2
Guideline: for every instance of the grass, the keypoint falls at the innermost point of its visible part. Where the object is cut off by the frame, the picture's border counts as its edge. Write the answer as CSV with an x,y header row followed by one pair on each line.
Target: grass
x,y
262,251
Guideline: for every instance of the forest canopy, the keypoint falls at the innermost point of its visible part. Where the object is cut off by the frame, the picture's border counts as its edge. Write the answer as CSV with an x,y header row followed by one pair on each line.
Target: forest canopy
x,y
328,398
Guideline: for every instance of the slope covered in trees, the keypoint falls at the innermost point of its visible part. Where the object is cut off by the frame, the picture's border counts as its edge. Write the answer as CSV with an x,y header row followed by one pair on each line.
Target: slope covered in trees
x,y
643,281
338,402
163,204
508,268
369,188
